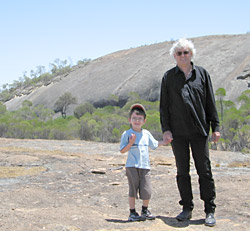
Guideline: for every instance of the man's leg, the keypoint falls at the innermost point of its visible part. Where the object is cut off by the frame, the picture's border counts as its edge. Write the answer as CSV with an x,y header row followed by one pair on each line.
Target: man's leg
x,y
203,166
200,152
182,157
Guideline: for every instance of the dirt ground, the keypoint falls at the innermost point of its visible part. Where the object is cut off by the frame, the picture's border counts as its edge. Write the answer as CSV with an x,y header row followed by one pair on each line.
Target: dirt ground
x,y
78,185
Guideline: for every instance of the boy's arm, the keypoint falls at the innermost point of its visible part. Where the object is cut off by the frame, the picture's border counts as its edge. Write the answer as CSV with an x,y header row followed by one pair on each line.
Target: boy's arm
x,y
161,143
130,143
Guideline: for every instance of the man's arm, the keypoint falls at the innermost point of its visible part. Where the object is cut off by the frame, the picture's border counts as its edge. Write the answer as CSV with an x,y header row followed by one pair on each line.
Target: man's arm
x,y
164,105
211,110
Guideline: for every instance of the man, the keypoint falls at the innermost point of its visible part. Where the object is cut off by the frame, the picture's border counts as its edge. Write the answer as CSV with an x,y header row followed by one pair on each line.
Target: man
x,y
187,110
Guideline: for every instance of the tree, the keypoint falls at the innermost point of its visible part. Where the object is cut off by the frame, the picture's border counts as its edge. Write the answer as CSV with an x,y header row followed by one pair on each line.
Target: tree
x,y
82,109
63,102
44,114
221,93
26,103
86,131
83,61
59,67
245,97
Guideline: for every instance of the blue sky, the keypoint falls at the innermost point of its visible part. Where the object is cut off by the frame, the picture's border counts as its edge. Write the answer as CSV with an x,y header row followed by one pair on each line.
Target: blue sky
x,y
36,32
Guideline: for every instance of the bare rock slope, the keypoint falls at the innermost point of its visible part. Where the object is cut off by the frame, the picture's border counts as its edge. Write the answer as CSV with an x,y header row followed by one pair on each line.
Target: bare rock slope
x,y
81,186
226,57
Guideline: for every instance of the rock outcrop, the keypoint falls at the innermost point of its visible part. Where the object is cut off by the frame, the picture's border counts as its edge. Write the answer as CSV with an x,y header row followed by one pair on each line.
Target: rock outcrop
x,y
226,57
81,186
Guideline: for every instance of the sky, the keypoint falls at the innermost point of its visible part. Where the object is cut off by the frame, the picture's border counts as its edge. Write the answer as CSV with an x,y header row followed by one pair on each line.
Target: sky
x,y
37,32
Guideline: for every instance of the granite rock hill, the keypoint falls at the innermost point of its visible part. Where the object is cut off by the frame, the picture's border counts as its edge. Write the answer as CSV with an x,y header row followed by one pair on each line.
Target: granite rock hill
x,y
226,57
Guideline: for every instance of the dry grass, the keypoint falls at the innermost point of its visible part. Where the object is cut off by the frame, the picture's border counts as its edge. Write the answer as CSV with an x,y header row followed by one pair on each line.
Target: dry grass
x,y
238,164
16,171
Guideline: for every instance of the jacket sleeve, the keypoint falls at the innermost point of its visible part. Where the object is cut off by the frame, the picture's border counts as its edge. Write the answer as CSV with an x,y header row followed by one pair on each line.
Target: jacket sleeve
x,y
164,106
211,111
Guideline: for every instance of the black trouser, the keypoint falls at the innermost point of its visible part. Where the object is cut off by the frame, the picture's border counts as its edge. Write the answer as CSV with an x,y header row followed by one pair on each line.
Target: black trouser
x,y
200,153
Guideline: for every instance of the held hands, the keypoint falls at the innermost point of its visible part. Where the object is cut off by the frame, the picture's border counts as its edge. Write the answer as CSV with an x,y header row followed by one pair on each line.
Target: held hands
x,y
167,137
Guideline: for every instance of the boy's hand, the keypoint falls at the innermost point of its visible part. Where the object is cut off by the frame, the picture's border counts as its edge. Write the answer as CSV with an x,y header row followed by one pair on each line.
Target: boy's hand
x,y
132,138
130,143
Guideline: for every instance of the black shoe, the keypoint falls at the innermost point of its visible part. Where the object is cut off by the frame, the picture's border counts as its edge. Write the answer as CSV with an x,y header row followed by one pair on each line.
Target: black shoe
x,y
210,220
147,214
184,215
135,217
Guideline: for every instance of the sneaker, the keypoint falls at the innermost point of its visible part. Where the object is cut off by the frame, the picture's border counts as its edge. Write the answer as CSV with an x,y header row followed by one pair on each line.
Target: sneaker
x,y
135,217
147,214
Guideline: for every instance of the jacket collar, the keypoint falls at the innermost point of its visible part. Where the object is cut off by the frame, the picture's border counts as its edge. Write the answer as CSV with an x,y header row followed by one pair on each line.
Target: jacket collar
x,y
177,69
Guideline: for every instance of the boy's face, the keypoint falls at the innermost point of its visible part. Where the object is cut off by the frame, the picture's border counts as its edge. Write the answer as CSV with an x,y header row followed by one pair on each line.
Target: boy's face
x,y
137,121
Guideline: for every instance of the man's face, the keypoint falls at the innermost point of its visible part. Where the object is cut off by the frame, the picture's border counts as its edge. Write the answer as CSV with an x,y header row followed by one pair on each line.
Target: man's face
x,y
183,56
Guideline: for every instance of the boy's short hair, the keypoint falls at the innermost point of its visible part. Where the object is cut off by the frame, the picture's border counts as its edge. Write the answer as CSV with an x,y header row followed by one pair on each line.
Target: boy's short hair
x,y
139,109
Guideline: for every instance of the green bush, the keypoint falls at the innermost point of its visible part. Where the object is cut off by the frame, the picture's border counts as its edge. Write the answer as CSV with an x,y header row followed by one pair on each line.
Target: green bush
x,y
2,108
108,123
82,109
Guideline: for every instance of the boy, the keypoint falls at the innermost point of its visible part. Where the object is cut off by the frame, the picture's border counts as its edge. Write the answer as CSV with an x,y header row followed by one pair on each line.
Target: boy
x,y
136,141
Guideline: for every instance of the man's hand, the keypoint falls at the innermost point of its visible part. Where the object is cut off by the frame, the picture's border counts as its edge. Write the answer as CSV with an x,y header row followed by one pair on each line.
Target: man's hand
x,y
167,137
215,136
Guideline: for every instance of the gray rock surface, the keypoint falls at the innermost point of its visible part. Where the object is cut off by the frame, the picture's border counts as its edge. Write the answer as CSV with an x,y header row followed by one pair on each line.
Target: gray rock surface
x,y
226,57
81,186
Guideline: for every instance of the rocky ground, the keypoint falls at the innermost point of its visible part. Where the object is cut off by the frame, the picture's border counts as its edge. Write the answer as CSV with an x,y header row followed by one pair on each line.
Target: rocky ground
x,y
78,185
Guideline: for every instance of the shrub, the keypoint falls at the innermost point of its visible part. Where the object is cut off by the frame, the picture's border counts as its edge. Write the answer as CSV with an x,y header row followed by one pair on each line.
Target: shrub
x,y
82,109
2,108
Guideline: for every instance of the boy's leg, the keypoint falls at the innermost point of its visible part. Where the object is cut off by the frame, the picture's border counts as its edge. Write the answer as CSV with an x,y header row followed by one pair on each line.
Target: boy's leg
x,y
133,181
145,212
145,193
131,201
145,203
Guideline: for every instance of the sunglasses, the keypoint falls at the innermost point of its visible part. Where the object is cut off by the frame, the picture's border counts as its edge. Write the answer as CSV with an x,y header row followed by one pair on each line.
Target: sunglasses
x,y
179,53
134,119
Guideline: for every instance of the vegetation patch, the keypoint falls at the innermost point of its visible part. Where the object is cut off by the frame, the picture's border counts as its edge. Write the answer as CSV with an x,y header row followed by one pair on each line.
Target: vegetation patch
x,y
17,171
238,164
106,124
26,151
